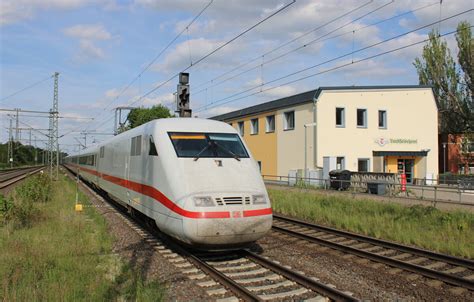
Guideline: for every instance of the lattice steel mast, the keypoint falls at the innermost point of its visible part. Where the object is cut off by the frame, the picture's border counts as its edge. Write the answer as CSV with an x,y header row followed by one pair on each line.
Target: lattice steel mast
x,y
54,133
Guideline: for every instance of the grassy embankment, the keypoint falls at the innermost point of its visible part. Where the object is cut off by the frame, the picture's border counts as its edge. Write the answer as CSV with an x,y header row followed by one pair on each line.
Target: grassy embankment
x,y
426,227
48,252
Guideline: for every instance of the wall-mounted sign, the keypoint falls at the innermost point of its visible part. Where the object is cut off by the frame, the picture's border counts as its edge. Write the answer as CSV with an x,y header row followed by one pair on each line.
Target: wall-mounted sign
x,y
382,141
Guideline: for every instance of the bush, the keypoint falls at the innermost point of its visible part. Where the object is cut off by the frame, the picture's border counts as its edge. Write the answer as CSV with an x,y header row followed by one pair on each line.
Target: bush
x,y
19,208
36,188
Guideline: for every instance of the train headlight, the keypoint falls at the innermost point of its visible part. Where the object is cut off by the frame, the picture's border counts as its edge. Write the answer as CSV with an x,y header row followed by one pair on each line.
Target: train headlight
x,y
259,199
203,201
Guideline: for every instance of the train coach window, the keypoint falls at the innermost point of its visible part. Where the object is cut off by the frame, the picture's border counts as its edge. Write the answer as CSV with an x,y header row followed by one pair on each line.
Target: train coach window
x,y
136,146
152,150
208,145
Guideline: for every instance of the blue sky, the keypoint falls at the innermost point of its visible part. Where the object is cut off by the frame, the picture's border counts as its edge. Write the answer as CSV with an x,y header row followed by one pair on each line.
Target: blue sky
x,y
99,46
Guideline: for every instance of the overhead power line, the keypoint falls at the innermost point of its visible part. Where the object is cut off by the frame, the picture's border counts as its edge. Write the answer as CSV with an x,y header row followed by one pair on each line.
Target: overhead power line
x,y
336,68
26,88
206,56
214,51
287,43
333,59
319,39
158,55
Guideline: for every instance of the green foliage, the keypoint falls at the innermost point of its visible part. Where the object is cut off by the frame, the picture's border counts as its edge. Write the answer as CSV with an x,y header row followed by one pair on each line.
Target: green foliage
x,y
452,83
67,256
427,227
19,209
22,155
36,188
140,116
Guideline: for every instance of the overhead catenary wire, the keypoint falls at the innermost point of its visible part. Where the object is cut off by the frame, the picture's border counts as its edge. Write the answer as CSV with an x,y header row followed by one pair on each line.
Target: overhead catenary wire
x,y
319,39
215,50
159,54
26,88
213,104
336,68
206,56
139,75
286,44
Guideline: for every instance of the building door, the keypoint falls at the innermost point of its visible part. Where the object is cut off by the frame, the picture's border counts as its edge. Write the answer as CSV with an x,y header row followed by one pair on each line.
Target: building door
x,y
405,166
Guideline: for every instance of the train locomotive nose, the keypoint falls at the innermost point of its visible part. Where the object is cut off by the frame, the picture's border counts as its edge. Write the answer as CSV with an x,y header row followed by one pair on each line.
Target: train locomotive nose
x,y
222,224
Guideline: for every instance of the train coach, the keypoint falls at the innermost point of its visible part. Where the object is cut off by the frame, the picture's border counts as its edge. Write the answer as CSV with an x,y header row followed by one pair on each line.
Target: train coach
x,y
195,178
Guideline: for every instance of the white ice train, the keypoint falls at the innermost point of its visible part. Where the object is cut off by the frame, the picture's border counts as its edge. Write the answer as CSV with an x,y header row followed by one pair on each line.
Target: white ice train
x,y
195,178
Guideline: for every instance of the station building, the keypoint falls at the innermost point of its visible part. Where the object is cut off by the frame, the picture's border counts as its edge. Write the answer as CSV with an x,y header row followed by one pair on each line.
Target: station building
x,y
391,129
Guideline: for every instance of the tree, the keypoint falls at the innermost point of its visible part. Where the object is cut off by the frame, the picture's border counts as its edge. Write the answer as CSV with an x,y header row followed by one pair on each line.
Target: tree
x,y
452,83
139,116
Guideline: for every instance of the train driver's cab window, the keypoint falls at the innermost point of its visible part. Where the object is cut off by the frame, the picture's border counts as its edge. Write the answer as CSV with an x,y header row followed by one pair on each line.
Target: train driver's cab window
x,y
152,150
200,145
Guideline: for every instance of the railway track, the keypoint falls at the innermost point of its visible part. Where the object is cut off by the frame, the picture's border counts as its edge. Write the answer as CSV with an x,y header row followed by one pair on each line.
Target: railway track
x,y
10,177
451,270
233,276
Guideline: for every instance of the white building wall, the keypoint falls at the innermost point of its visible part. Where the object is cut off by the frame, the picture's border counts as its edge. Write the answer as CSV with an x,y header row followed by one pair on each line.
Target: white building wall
x,y
411,114
290,143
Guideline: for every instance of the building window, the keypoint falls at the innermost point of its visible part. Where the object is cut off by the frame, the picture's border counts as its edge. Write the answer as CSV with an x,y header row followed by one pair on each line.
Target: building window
x,y
363,165
241,128
362,118
270,125
289,120
340,163
254,126
340,117
383,119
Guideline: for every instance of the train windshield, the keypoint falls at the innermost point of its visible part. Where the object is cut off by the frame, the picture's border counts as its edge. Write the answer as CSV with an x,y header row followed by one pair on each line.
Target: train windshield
x,y
208,145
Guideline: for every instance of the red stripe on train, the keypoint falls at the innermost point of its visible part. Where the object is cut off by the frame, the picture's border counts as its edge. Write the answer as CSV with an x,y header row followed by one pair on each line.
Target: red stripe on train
x,y
160,197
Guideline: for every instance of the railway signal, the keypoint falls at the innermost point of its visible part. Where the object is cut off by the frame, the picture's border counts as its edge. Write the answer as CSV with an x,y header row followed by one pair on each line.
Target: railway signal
x,y
182,100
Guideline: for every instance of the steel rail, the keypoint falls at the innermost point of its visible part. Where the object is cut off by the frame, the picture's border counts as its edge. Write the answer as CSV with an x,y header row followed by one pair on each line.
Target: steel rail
x,y
380,242
318,287
16,178
219,277
450,279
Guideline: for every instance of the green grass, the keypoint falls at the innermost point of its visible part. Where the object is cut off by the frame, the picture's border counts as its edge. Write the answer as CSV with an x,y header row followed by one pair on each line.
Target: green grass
x,y
66,256
426,227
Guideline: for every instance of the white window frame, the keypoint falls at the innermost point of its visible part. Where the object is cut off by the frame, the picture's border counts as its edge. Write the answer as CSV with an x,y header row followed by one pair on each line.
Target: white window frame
x,y
384,126
254,126
365,118
285,120
343,162
343,118
241,127
267,124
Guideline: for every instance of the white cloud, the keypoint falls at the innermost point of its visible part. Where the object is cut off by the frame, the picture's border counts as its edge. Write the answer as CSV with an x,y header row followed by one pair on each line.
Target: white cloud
x,y
280,92
89,50
194,49
88,32
215,111
89,35
166,99
13,11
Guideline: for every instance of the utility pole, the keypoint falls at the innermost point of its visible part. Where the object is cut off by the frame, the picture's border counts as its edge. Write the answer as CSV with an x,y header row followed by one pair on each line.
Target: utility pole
x,y
10,145
182,100
17,130
54,133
